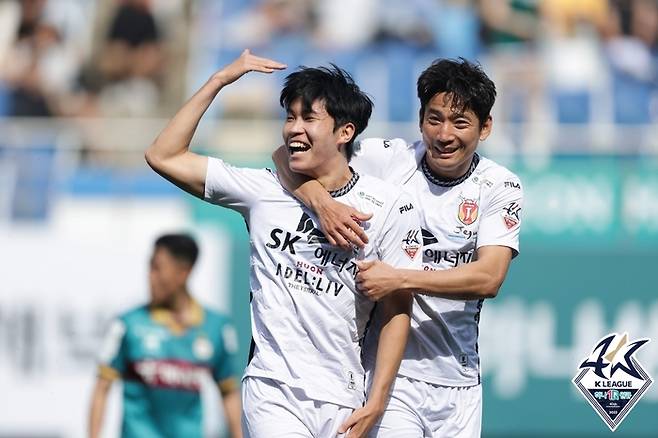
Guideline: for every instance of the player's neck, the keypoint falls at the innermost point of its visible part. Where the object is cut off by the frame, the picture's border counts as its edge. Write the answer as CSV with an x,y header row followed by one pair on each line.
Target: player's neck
x,y
336,176
180,302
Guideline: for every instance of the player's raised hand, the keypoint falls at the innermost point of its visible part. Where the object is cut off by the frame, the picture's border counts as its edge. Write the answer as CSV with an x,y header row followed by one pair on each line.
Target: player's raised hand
x,y
341,224
245,63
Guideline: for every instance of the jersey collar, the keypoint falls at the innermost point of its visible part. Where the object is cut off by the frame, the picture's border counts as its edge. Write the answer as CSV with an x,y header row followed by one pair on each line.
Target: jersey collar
x,y
166,317
443,182
347,187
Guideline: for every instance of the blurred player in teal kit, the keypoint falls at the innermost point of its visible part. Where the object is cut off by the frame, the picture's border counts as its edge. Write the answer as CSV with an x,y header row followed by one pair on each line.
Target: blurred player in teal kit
x,y
161,351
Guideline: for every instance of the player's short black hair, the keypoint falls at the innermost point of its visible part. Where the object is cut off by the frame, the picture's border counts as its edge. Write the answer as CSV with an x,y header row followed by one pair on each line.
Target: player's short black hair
x,y
467,84
342,98
181,246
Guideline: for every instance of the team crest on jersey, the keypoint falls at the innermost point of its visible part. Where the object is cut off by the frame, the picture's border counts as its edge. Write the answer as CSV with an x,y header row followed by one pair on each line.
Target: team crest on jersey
x,y
611,379
202,348
468,211
151,342
411,243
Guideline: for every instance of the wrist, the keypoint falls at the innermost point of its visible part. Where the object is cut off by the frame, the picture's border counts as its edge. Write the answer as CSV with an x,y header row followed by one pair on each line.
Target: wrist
x,y
317,201
405,279
217,81
376,403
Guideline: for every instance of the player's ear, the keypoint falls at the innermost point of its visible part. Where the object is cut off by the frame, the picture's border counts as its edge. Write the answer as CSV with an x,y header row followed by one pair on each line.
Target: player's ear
x,y
485,129
346,133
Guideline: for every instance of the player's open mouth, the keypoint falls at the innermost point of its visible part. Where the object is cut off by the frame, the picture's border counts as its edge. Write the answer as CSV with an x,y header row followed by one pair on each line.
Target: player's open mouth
x,y
445,152
298,146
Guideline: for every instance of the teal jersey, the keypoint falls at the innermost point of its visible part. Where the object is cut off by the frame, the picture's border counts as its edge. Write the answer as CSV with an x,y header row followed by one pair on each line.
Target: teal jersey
x,y
162,366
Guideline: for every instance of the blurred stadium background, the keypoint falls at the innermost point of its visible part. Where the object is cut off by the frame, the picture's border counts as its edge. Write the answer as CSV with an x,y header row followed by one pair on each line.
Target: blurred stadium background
x,y
85,85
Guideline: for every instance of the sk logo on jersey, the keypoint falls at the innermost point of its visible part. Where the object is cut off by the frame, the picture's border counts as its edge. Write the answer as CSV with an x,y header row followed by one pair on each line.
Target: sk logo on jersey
x,y
428,238
468,211
612,380
411,244
315,236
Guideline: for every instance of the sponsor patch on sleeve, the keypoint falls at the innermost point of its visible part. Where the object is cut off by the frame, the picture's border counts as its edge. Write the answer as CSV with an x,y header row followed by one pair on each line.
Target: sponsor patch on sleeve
x,y
411,243
511,215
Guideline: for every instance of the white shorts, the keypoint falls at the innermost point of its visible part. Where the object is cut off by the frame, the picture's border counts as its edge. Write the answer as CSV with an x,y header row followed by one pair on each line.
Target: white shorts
x,y
419,409
272,409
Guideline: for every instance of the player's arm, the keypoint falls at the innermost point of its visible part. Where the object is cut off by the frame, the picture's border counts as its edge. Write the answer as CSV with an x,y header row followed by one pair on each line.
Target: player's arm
x,y
395,312
97,408
472,281
112,365
399,244
498,238
169,154
232,406
337,220
224,373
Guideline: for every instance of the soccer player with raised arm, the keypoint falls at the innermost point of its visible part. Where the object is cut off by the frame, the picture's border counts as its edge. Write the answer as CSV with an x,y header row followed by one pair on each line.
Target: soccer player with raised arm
x,y
161,352
305,376
470,217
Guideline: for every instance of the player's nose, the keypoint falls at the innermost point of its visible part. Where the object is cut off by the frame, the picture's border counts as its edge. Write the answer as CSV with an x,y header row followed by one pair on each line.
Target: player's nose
x,y
445,133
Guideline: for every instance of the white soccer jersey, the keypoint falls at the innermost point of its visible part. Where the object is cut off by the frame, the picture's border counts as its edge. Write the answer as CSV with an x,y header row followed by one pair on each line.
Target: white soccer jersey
x,y
483,209
307,319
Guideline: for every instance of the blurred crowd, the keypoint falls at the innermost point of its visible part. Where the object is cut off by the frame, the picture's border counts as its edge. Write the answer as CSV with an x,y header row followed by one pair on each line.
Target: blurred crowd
x,y
553,60
573,76
86,58
560,60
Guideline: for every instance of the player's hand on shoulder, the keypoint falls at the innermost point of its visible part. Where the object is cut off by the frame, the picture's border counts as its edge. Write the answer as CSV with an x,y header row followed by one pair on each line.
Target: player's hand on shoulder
x,y
245,63
341,224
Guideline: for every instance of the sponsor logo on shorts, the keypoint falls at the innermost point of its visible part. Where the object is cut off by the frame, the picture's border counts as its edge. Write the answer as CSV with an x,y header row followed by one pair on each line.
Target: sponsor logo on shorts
x,y
611,379
468,211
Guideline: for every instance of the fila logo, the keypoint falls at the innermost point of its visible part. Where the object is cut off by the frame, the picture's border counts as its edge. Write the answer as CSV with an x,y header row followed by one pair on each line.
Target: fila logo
x,y
406,208
512,184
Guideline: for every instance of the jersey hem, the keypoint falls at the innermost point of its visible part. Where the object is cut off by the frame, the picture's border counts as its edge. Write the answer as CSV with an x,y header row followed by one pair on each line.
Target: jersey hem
x,y
354,404
440,382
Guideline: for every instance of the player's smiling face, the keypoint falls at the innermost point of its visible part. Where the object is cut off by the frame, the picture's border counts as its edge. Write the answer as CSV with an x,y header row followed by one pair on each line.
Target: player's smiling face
x,y
314,146
451,136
